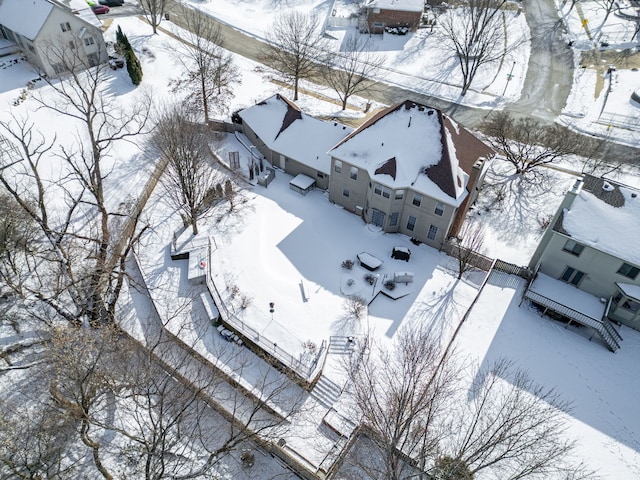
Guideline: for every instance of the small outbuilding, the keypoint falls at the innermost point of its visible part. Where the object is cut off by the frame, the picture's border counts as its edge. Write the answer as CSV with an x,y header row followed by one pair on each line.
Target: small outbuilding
x,y
301,184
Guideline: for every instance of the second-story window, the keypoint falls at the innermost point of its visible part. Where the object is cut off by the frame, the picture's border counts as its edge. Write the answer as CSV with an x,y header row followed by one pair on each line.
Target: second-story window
x,y
337,166
66,27
354,173
439,209
417,199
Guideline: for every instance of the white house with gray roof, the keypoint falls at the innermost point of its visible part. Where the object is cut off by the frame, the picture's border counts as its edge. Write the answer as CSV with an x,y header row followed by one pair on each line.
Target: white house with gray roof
x,y
34,26
591,247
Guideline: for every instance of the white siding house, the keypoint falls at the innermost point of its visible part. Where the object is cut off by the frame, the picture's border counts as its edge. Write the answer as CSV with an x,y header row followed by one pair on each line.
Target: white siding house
x,y
39,26
591,245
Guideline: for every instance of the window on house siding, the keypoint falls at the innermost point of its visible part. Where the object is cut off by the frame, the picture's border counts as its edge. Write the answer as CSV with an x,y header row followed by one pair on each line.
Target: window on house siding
x,y
320,174
386,192
629,271
399,195
345,193
433,231
439,209
354,173
377,189
573,248
65,27
393,219
337,166
417,199
572,276
58,67
411,223
88,41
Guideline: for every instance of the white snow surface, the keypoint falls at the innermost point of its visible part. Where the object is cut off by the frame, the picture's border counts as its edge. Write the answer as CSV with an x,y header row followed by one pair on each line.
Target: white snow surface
x,y
25,17
306,139
630,289
613,230
568,295
305,248
412,137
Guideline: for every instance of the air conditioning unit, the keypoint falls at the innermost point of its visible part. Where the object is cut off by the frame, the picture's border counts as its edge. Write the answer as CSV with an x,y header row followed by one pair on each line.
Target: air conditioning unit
x,y
359,211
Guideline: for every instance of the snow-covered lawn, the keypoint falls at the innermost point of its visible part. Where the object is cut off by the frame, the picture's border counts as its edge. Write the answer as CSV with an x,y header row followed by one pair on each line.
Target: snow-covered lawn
x,y
278,246
601,386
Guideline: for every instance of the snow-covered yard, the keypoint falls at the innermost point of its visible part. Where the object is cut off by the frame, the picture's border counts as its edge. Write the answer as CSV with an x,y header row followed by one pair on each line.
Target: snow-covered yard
x,y
283,248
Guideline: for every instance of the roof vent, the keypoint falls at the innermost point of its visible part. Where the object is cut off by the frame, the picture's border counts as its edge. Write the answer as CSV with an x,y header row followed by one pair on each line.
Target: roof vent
x,y
634,195
430,112
606,186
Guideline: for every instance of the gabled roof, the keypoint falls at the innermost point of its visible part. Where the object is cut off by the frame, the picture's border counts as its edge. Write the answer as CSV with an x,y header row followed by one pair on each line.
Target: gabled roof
x,y
410,145
25,17
285,129
401,5
605,215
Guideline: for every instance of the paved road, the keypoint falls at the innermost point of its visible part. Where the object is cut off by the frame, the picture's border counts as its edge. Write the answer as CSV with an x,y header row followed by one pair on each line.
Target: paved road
x,y
546,88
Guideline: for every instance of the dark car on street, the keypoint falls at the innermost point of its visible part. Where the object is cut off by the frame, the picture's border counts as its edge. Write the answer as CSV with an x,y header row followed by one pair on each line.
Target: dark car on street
x,y
112,3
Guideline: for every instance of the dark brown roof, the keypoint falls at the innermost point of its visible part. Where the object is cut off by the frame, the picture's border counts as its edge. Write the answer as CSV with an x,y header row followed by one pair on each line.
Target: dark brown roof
x,y
387,168
292,114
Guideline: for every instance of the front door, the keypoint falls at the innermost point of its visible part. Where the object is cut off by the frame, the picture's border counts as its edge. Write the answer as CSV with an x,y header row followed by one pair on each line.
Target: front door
x,y
283,162
377,217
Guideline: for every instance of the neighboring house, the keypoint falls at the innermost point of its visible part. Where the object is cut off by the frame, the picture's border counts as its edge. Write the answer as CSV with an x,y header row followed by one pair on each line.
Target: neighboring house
x,y
592,245
292,140
410,169
35,25
393,13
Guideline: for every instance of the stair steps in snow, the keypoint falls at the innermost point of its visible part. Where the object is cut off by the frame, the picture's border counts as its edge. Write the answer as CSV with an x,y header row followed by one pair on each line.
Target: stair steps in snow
x,y
326,391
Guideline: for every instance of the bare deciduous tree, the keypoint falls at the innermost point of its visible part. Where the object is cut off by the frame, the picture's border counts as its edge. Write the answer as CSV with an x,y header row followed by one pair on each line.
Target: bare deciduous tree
x,y
475,31
467,245
418,418
527,143
154,12
348,71
355,307
190,177
84,262
211,72
294,47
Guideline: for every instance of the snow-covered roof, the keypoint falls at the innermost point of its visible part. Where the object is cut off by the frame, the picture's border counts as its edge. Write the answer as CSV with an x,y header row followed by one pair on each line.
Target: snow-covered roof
x,y
414,146
630,290
25,17
402,5
285,129
606,216
302,181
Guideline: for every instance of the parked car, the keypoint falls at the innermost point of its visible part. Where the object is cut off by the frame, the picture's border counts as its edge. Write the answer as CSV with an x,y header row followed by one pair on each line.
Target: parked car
x,y
100,9
112,3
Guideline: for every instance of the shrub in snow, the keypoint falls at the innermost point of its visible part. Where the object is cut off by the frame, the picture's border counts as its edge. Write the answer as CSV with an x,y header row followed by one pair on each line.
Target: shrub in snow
x,y
310,346
390,284
247,459
350,282
245,301
355,306
370,278
347,264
